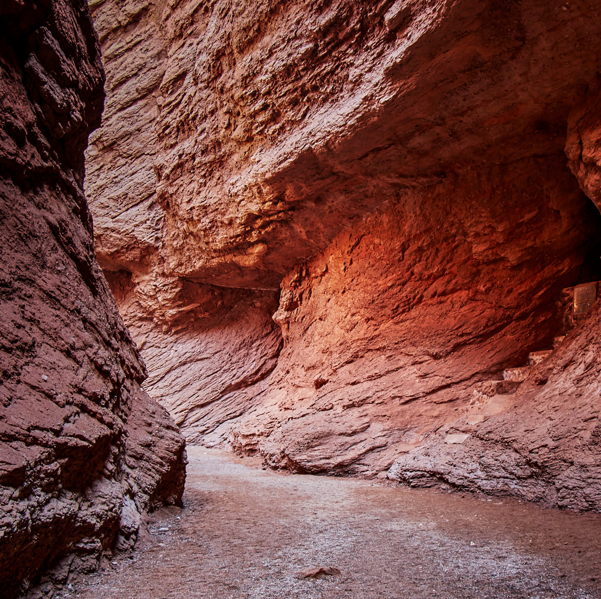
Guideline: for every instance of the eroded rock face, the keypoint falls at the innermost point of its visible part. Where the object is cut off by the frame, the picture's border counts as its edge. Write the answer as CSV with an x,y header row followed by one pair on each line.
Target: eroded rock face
x,y
209,350
394,333
271,126
583,145
244,147
543,446
82,448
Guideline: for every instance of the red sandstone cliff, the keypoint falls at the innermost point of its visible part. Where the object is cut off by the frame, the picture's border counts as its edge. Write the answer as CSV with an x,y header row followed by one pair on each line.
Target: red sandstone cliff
x,y
84,451
398,168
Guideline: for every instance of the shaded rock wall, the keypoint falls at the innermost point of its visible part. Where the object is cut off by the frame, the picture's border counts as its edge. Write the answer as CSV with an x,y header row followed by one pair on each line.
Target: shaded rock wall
x,y
83,450
543,447
583,144
273,130
209,350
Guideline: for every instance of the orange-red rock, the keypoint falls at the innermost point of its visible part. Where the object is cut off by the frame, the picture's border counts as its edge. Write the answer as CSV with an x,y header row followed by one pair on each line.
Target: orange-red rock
x,y
243,140
208,350
393,333
583,145
241,137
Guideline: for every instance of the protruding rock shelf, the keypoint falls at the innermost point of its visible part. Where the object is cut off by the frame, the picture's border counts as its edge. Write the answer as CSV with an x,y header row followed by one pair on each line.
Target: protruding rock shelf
x,y
333,226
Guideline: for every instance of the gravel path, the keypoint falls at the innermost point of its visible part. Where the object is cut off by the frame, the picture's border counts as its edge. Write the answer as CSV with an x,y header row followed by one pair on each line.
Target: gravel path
x,y
248,533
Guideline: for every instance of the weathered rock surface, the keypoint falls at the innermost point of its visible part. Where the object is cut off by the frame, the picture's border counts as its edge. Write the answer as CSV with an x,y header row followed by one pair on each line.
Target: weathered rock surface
x,y
209,350
274,125
243,139
83,450
583,145
393,334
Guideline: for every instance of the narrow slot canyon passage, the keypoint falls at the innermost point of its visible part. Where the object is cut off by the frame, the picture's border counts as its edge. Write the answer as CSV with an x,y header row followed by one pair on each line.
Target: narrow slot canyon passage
x,y
250,533
345,256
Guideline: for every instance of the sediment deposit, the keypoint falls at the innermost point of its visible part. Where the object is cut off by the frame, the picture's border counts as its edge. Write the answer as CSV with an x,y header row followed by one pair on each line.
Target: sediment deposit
x,y
250,532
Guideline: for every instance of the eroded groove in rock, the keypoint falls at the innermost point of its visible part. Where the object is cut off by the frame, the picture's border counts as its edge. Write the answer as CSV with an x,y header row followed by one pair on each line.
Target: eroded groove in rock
x,y
83,450
391,333
399,169
209,350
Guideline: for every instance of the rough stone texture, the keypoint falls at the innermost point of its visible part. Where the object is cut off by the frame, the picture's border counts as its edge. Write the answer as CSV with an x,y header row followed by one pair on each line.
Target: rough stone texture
x,y
83,450
120,175
275,124
583,145
243,139
386,542
545,448
209,350
393,331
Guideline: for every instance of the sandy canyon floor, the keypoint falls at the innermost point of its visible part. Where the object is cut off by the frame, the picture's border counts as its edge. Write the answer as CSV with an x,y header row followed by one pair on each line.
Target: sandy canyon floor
x,y
250,533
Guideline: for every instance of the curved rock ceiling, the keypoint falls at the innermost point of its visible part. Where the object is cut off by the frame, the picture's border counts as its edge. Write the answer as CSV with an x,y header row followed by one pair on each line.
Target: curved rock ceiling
x,y
403,179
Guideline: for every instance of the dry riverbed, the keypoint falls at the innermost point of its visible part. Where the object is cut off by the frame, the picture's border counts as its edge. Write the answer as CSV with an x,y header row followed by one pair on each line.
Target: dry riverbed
x,y
250,533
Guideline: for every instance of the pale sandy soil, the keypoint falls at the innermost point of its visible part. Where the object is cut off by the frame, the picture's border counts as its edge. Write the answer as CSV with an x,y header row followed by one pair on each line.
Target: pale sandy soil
x,y
246,533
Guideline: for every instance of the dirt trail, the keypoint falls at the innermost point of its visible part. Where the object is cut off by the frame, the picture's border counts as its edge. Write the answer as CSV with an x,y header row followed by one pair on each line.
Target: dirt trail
x,y
247,533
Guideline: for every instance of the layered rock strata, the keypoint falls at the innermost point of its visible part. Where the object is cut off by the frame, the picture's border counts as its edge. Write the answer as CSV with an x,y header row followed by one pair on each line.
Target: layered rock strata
x,y
246,146
83,450
398,335
209,350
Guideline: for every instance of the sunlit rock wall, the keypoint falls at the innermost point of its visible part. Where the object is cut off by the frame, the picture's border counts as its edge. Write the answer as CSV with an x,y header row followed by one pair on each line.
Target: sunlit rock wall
x,y
394,333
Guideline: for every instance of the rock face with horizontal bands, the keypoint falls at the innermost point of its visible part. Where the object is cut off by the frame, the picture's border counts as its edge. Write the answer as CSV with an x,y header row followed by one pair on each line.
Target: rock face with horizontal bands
x,y
397,169
83,450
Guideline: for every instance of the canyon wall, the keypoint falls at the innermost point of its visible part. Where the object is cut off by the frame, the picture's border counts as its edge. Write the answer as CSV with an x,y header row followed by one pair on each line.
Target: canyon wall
x,y
398,337
399,172
84,451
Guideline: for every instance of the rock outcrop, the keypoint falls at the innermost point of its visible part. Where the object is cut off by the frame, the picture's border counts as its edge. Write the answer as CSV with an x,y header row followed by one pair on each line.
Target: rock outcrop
x,y
397,338
84,451
583,145
271,127
398,168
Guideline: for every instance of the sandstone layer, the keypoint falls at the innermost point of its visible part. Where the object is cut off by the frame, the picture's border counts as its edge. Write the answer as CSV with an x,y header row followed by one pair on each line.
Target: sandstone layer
x,y
271,126
398,168
398,333
209,350
84,451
